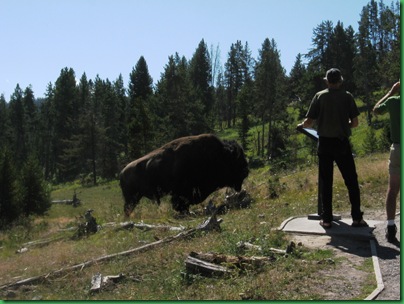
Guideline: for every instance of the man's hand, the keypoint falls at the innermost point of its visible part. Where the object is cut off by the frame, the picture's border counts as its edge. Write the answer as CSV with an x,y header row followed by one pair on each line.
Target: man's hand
x,y
307,123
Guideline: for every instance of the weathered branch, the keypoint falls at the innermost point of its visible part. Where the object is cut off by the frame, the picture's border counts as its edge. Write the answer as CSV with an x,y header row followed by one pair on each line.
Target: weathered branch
x,y
42,242
211,264
247,245
237,261
194,265
142,226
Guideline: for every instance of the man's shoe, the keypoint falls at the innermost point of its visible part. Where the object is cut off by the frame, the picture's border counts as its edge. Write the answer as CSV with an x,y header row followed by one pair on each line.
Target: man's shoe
x,y
391,234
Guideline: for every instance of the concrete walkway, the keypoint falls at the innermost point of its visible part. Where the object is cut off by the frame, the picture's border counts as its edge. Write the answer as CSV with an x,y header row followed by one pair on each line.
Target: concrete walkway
x,y
387,271
340,227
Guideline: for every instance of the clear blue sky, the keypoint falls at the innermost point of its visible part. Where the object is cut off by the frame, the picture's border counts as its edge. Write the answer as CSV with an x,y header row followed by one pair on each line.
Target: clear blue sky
x,y
38,38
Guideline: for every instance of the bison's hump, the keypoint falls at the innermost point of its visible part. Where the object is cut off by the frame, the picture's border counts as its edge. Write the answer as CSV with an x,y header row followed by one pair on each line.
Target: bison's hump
x,y
191,140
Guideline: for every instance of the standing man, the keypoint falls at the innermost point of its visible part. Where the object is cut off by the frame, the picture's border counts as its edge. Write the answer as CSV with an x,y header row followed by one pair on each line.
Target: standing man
x,y
335,112
390,103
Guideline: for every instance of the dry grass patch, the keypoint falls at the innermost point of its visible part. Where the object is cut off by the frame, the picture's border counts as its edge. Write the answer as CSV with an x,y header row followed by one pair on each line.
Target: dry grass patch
x,y
158,274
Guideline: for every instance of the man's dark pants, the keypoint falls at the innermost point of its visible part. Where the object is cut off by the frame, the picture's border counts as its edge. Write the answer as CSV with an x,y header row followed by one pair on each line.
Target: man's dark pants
x,y
338,150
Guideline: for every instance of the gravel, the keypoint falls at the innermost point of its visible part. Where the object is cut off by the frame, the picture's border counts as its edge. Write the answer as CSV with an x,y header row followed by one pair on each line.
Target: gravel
x,y
389,262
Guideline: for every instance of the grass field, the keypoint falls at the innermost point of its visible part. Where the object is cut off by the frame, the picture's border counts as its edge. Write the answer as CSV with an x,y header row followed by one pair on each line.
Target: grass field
x,y
158,274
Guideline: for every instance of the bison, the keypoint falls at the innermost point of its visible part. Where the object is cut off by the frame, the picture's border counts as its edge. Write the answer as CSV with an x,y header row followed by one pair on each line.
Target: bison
x,y
188,168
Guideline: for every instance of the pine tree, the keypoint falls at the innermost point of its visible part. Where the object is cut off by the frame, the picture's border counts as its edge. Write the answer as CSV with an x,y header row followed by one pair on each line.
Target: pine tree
x,y
201,91
140,84
220,96
122,113
270,83
93,128
233,80
66,112
172,95
5,134
297,84
341,52
17,117
111,147
390,42
317,56
10,207
34,191
47,133
30,120
78,146
139,121
244,99
378,50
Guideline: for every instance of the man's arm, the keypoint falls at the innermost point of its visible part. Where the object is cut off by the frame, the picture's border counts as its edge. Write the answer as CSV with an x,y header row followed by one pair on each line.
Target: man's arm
x,y
394,89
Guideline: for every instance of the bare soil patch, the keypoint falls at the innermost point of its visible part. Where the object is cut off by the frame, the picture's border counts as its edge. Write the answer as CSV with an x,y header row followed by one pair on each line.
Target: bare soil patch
x,y
343,282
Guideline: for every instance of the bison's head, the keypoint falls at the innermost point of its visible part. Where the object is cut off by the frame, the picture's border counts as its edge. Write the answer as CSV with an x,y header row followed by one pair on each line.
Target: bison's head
x,y
128,208
238,164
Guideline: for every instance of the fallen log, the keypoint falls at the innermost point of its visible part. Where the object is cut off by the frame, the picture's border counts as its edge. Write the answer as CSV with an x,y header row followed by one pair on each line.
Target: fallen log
x,y
38,243
74,201
241,262
247,245
197,266
142,226
98,281
42,242
162,227
64,202
80,266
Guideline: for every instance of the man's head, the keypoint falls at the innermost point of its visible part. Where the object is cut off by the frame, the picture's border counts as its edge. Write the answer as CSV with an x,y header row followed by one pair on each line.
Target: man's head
x,y
333,76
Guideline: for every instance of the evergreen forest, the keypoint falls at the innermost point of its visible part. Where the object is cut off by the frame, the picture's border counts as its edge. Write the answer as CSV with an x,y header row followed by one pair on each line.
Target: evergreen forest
x,y
89,129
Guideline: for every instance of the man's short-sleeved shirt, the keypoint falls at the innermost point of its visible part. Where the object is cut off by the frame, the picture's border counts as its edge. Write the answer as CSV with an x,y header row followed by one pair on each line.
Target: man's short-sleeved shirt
x,y
392,105
333,109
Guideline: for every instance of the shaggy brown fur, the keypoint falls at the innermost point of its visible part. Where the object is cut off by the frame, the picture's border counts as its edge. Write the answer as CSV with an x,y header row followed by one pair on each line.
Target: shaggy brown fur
x,y
188,168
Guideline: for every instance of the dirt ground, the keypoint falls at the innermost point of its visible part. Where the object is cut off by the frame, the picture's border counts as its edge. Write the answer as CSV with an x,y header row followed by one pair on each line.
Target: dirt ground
x,y
341,283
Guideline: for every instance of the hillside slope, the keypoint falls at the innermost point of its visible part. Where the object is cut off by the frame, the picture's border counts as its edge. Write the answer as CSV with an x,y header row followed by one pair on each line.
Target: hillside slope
x,y
159,273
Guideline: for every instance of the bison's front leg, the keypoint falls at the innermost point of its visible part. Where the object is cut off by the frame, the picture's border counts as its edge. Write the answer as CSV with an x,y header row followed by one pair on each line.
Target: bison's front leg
x,y
180,204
